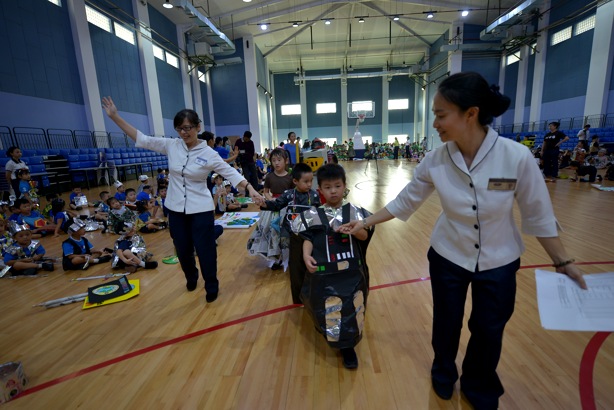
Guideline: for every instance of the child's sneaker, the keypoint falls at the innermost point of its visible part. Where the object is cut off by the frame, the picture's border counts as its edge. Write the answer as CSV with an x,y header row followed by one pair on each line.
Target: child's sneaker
x,y
151,265
350,360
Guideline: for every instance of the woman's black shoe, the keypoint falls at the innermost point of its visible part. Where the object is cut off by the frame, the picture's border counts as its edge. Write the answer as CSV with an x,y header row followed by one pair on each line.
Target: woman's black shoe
x,y
443,390
350,360
191,286
211,297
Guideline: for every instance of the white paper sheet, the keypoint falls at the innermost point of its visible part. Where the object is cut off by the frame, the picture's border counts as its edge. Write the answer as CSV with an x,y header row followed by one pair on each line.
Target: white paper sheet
x,y
564,306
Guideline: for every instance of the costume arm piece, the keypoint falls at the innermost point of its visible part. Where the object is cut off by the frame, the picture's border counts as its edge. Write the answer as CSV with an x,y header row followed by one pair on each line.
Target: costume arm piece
x,y
280,202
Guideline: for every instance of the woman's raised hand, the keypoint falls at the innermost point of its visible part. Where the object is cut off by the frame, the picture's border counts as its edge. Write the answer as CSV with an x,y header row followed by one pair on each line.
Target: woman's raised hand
x,y
351,227
109,106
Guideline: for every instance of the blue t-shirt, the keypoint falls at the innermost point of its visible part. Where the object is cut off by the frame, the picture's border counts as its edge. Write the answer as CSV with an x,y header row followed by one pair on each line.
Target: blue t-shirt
x,y
34,220
145,216
14,217
124,244
58,216
24,188
10,257
72,196
143,196
222,151
68,249
103,207
120,196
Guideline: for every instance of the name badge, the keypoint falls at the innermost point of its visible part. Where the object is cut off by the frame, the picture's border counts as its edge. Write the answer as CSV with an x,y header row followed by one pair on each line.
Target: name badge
x,y
201,161
501,184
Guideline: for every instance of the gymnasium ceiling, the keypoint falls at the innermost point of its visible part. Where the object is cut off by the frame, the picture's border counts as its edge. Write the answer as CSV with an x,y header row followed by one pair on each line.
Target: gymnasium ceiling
x,y
378,42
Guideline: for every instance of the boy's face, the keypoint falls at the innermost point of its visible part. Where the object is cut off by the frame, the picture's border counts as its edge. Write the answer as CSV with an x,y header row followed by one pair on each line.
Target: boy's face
x,y
121,189
79,233
25,208
115,204
219,180
163,193
332,190
131,196
304,184
77,191
227,187
104,197
148,190
23,238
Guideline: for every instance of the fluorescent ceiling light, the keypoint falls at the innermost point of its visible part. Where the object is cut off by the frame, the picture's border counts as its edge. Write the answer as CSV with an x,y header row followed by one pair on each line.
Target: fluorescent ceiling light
x,y
396,18
465,13
430,14
327,22
167,5
264,26
361,20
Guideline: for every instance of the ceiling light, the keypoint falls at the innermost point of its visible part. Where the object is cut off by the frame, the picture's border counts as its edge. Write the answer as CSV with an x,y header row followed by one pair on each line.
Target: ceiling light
x,y
327,22
465,13
247,1
295,24
430,14
396,18
264,26
361,20
167,4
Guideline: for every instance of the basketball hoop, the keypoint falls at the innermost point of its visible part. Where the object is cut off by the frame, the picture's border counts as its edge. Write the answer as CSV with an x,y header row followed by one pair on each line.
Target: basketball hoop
x,y
361,117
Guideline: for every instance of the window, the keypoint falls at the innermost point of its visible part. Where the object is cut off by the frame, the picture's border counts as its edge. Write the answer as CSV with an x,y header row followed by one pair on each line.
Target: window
x,y
124,33
56,2
367,139
98,19
561,36
326,108
585,25
158,52
401,104
172,60
291,109
511,59
328,141
201,77
401,137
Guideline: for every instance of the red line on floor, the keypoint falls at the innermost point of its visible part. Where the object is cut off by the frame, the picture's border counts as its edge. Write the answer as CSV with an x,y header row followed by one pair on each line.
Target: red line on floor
x,y
244,319
587,365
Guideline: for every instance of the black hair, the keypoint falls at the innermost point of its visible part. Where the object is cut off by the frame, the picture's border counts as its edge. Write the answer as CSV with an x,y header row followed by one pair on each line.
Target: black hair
x,y
21,201
146,187
159,170
207,136
247,134
9,152
130,190
555,123
299,169
290,133
111,199
50,197
224,140
218,140
466,90
76,186
102,193
184,114
330,172
57,205
279,152
22,171
141,206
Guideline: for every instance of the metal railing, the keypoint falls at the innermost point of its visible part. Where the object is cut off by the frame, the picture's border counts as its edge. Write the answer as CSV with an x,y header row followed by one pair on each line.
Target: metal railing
x,y
567,123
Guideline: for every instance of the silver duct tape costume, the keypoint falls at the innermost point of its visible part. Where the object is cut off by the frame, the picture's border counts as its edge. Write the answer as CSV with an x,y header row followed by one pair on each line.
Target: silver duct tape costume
x,y
17,251
138,248
335,295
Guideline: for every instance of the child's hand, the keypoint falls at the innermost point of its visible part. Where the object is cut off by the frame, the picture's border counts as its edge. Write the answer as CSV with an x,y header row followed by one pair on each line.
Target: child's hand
x,y
351,227
311,263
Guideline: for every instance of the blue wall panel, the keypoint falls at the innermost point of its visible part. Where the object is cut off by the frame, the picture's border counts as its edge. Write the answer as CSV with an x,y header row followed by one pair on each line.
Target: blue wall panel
x,y
561,9
487,66
511,82
205,101
529,85
324,91
171,89
25,111
164,30
229,93
401,87
286,93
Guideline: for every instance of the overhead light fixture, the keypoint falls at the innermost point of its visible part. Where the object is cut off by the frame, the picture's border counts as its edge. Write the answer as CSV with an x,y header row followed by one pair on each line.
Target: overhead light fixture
x,y
430,14
465,13
167,4
396,18
423,87
327,22
361,20
295,24
264,26
247,1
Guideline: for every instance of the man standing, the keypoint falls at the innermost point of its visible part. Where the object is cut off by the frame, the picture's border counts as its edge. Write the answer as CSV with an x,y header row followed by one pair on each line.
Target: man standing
x,y
246,158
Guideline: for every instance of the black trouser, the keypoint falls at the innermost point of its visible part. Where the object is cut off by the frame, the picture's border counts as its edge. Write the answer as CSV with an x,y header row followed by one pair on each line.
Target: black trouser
x,y
297,267
493,293
551,162
195,231
589,170
396,152
251,175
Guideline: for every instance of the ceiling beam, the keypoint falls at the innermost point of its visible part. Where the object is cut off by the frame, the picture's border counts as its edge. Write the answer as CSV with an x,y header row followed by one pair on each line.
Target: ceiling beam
x,y
440,4
305,27
398,23
245,9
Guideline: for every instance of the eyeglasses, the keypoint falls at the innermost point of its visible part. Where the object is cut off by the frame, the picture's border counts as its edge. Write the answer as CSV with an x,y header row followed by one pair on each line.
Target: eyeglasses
x,y
187,128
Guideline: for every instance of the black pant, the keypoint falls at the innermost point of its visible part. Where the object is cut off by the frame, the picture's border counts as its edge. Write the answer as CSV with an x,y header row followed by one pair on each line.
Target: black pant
x,y
297,267
396,152
589,170
493,293
551,162
195,231
251,175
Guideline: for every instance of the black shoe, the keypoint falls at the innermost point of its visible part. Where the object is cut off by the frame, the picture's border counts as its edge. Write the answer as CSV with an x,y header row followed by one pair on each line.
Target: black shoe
x,y
243,205
211,297
151,265
443,390
48,266
350,360
105,258
277,266
191,286
108,250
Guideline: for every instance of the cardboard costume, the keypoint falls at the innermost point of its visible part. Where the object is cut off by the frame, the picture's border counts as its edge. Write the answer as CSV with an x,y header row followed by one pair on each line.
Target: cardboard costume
x,y
336,294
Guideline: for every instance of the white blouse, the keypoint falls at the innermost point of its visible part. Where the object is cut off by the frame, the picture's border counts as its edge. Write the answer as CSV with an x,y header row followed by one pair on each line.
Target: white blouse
x,y
476,228
188,171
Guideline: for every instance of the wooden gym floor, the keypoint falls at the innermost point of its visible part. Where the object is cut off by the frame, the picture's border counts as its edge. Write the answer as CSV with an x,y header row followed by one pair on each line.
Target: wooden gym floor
x,y
252,349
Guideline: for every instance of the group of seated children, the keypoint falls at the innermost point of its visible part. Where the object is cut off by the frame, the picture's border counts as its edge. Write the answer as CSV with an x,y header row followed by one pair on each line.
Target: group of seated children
x,y
223,197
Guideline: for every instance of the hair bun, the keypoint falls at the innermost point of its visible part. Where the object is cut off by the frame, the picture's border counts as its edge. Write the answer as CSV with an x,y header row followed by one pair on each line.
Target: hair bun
x,y
500,102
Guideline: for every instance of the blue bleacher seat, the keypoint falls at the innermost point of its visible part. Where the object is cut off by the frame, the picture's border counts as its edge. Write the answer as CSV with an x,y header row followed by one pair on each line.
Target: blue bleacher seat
x,y
34,160
3,161
53,151
41,152
74,165
28,153
35,168
83,157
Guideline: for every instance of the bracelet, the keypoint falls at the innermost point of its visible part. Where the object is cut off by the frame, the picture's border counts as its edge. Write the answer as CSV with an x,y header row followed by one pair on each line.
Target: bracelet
x,y
364,223
564,263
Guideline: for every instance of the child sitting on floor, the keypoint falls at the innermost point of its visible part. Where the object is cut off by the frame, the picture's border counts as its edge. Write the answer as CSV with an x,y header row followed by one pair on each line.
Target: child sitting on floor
x,y
130,202
120,195
25,255
26,188
77,199
145,209
336,286
61,218
38,225
130,250
78,253
118,214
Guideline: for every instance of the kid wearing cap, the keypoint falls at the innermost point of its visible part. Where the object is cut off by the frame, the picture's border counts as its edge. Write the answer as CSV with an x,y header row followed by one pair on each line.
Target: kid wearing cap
x,y
120,195
25,255
77,252
144,179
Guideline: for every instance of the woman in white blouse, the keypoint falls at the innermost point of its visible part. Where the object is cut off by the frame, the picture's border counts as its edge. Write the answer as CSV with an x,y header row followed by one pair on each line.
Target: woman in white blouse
x,y
189,201
478,176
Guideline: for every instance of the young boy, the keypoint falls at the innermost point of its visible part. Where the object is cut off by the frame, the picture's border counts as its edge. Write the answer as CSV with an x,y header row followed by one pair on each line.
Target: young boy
x,y
25,256
26,190
144,179
76,199
118,214
38,225
130,199
293,202
130,251
336,286
120,195
77,252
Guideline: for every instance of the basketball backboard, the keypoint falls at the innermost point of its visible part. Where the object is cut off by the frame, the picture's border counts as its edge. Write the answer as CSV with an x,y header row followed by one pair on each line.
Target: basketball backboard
x,y
361,109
